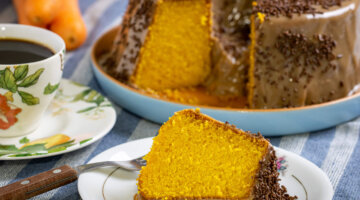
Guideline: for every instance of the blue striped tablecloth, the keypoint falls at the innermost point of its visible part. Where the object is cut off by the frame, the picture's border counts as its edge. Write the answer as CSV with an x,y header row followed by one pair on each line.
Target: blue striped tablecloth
x,y
336,150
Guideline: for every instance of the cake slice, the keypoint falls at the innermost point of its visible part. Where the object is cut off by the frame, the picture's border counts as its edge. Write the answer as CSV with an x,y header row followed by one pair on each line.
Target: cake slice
x,y
197,157
163,44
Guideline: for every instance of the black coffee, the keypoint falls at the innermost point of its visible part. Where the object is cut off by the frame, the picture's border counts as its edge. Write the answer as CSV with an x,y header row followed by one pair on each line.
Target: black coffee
x,y
13,51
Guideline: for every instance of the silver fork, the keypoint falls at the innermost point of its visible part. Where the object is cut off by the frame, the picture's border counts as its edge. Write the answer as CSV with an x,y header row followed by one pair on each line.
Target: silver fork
x,y
129,165
54,178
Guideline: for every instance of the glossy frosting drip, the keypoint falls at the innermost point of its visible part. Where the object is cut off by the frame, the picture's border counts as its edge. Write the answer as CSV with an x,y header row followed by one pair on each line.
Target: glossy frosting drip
x,y
231,20
230,32
307,59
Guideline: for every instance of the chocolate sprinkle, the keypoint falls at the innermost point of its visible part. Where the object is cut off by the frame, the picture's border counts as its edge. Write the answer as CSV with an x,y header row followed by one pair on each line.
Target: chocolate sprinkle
x,y
301,57
127,45
309,51
290,7
267,185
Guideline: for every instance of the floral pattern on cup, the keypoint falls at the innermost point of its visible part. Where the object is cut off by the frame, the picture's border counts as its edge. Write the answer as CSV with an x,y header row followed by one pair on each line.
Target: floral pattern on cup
x,y
14,80
8,113
23,84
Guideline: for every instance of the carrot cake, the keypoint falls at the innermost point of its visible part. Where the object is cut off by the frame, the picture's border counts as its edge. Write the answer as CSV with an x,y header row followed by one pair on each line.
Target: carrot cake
x,y
275,54
197,157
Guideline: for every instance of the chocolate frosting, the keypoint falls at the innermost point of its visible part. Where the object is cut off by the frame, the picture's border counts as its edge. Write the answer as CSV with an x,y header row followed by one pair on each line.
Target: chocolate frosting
x,y
131,36
289,8
320,63
230,32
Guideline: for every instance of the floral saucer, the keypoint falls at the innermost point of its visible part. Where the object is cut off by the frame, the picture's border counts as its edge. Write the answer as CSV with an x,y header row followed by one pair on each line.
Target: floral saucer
x,y
78,116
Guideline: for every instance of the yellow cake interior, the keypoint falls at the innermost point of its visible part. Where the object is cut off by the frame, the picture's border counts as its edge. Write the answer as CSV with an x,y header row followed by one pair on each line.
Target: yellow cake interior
x,y
176,54
194,156
178,45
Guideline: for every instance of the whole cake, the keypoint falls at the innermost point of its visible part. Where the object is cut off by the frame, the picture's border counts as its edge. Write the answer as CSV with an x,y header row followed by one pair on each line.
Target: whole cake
x,y
197,157
273,53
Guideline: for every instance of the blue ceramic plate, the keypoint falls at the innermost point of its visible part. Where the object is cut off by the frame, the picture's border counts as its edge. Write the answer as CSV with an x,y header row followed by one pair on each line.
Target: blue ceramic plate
x,y
270,122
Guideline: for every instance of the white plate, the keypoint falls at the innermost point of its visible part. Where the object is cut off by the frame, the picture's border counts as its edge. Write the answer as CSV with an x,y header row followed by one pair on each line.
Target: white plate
x,y
300,176
81,115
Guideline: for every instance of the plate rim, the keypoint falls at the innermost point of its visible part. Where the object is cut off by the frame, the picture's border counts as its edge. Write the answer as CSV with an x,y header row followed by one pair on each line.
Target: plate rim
x,y
94,139
150,139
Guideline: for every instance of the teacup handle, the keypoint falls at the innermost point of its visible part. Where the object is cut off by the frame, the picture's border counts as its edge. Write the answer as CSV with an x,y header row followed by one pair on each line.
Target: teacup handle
x,y
38,184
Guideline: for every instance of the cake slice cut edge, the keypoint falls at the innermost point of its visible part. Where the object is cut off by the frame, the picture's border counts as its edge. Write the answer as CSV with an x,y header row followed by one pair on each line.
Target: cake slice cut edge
x,y
197,157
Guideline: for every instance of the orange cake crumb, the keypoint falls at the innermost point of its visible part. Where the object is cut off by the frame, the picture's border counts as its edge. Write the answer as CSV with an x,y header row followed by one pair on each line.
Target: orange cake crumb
x,y
195,156
176,52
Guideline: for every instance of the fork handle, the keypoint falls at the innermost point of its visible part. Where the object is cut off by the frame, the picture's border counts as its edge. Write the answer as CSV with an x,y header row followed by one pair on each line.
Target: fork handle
x,y
39,183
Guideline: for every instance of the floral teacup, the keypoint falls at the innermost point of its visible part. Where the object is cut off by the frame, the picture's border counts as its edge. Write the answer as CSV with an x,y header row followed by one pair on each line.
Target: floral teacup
x,y
26,89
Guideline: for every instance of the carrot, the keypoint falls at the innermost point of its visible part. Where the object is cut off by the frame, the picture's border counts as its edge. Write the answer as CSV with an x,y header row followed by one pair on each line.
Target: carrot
x,y
41,12
69,24
20,10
